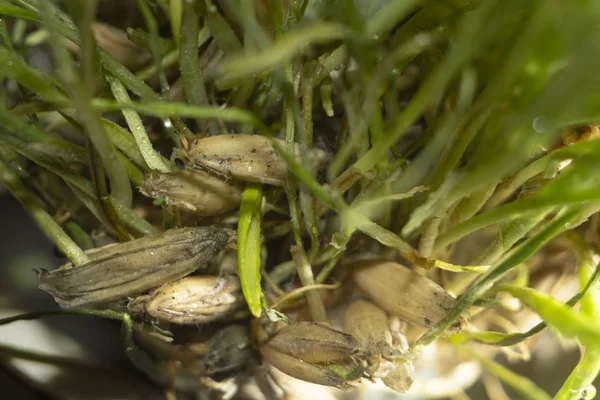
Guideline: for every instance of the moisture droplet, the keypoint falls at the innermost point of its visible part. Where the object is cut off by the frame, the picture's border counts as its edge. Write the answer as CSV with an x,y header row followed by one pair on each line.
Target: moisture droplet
x,y
588,393
167,123
540,125
518,90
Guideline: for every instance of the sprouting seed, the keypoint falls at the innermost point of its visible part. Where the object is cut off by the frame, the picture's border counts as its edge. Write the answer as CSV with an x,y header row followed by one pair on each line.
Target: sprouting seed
x,y
325,374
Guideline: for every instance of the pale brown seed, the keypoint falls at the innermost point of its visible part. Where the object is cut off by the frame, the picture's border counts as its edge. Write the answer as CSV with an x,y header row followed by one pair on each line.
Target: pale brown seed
x,y
371,326
193,190
249,158
368,324
118,271
195,300
314,342
404,293
302,370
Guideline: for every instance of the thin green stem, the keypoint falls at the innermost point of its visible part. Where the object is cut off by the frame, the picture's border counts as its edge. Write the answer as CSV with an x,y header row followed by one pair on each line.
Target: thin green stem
x,y
168,60
290,45
560,223
525,387
154,40
154,160
108,314
164,109
520,208
305,273
128,216
117,175
189,62
388,16
41,216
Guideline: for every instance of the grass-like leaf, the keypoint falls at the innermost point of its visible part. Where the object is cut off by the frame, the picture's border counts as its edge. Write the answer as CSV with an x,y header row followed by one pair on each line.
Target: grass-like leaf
x,y
526,388
249,246
588,368
41,216
564,320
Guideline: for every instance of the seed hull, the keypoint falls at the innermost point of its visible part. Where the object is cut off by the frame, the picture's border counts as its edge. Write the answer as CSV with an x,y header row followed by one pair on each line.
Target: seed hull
x,y
130,268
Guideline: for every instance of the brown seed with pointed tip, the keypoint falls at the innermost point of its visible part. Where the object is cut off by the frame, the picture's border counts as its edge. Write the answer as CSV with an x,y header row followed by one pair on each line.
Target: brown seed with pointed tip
x,y
314,342
118,271
303,370
315,353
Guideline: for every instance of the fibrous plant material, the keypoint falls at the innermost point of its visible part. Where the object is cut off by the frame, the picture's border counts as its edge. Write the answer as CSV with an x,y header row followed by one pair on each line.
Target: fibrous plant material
x,y
396,171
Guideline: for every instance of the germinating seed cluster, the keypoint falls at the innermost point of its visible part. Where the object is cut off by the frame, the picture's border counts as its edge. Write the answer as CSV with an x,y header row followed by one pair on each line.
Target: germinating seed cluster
x,y
438,180
167,281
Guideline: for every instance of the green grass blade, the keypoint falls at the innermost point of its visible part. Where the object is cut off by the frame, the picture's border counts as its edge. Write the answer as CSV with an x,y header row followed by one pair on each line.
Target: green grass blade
x,y
164,109
154,160
588,368
175,16
189,62
11,10
579,382
580,177
237,67
41,216
526,388
567,219
154,41
564,320
220,30
249,247
34,80
81,92
128,216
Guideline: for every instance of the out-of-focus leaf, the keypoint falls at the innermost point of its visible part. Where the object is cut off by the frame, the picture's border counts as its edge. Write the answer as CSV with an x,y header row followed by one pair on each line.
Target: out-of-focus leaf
x,y
579,383
564,320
